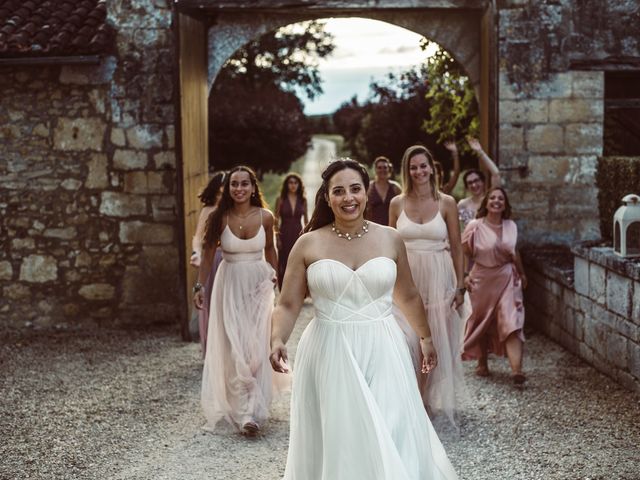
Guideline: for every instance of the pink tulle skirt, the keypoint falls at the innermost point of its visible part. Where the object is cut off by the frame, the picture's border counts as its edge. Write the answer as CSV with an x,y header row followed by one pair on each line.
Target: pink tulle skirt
x,y
237,379
444,388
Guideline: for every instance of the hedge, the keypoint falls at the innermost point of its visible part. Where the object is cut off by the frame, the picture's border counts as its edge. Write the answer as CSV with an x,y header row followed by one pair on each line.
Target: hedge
x,y
615,178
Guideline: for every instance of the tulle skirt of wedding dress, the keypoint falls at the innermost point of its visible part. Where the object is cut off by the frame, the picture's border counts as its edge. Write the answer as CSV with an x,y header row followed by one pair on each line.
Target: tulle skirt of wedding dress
x,y
356,413
237,378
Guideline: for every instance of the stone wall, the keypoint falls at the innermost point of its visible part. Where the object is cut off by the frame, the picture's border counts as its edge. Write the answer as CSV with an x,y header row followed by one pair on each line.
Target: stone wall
x,y
592,307
88,183
551,108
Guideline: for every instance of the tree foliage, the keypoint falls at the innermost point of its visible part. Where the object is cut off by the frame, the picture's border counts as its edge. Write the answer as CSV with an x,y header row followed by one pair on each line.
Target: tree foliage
x,y
453,109
428,104
256,117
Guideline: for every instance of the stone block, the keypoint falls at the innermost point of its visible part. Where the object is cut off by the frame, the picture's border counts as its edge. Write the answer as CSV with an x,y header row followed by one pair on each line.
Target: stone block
x,y
76,134
545,139
144,136
547,168
511,139
559,85
160,260
588,84
579,325
619,291
164,208
114,204
595,335
71,184
6,270
581,276
129,159
576,110
97,176
584,138
507,90
582,170
41,130
635,307
97,291
170,132
628,381
166,160
617,350
23,243
597,283
61,233
38,269
524,111
634,359
146,233
585,353
144,182
16,291
83,259
117,137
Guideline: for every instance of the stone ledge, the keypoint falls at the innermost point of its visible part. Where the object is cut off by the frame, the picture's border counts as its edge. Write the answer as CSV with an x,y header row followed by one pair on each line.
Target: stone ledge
x,y
555,262
605,257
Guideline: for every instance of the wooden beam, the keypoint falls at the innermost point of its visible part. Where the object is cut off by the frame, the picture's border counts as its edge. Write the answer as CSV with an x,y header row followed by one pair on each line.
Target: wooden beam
x,y
70,60
213,6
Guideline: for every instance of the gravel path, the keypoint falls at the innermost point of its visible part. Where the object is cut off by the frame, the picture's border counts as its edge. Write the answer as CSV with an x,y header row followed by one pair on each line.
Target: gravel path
x,y
125,405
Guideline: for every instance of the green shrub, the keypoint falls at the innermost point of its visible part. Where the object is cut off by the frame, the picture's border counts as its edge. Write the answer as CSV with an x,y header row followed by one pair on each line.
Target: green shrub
x,y
615,178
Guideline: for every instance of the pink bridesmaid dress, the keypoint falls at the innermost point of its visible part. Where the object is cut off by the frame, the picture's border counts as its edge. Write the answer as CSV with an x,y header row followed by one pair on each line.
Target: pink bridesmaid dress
x,y
496,299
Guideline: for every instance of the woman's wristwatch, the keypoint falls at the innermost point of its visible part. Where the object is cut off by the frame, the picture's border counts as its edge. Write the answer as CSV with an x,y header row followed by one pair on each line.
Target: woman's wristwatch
x,y
461,290
197,287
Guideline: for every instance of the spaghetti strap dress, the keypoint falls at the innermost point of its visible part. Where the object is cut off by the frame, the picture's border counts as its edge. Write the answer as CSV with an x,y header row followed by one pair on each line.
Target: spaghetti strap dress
x,y
290,229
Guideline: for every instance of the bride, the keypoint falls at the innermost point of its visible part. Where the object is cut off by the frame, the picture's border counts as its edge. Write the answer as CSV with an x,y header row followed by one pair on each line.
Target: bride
x,y
356,412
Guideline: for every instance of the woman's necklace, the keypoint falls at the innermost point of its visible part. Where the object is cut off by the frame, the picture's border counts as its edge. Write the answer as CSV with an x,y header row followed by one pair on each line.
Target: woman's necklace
x,y
349,236
241,217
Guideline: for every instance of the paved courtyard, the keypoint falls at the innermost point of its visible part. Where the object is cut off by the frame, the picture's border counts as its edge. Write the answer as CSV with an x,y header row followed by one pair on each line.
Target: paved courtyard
x,y
125,405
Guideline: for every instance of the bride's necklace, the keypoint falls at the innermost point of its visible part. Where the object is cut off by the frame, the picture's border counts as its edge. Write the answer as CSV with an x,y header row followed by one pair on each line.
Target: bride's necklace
x,y
349,236
241,217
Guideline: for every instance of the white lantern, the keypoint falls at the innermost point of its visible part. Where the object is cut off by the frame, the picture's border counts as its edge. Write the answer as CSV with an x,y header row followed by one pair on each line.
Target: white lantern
x,y
626,227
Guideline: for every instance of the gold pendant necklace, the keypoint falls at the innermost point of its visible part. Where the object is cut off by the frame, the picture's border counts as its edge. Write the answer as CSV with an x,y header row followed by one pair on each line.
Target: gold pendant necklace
x,y
347,235
240,226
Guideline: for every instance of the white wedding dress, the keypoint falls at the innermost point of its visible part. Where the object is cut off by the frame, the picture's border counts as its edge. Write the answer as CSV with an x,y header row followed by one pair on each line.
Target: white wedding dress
x,y
356,412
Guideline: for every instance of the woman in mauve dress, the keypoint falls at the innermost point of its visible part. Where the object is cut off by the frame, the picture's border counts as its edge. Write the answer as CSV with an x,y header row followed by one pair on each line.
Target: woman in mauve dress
x,y
495,286
291,217
381,191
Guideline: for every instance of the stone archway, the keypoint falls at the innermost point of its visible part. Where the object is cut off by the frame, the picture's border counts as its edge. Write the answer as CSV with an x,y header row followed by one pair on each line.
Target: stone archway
x,y
465,28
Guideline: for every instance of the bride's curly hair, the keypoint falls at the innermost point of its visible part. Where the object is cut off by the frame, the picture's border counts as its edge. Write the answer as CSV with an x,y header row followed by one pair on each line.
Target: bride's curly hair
x,y
322,213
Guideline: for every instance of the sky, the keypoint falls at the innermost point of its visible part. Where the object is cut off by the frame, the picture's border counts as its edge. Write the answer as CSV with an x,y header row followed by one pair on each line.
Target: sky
x,y
365,50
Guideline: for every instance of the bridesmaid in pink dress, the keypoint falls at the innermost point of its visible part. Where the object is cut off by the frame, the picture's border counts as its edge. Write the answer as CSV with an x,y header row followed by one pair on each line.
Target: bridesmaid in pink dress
x,y
495,285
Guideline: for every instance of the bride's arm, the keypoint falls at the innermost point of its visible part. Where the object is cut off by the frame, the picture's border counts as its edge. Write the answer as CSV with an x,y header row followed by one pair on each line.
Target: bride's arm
x,y
294,288
407,298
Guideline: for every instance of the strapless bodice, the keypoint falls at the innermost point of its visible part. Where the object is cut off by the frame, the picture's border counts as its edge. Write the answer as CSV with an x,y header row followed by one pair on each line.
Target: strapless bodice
x,y
343,295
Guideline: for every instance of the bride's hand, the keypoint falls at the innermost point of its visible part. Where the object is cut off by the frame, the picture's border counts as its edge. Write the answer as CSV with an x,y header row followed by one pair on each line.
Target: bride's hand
x,y
429,353
278,357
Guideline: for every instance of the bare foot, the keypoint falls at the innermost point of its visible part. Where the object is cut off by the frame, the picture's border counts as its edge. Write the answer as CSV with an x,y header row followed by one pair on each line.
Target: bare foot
x,y
482,370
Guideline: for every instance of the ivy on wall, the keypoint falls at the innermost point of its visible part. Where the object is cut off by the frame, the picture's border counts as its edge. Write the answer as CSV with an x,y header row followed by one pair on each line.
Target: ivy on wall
x,y
616,177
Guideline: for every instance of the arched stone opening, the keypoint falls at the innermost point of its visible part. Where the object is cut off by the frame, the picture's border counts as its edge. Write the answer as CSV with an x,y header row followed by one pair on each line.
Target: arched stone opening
x,y
465,29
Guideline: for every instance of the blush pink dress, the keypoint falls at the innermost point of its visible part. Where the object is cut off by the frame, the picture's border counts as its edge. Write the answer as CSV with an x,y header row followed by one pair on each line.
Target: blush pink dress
x,y
237,378
496,299
434,275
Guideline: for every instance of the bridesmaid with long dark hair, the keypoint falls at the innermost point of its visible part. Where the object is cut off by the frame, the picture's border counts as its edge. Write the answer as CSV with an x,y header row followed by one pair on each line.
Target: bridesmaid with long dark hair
x,y
237,379
291,217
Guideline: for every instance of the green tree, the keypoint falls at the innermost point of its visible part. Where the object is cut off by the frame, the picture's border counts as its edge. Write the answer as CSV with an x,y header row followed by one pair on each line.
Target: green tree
x,y
453,109
256,117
